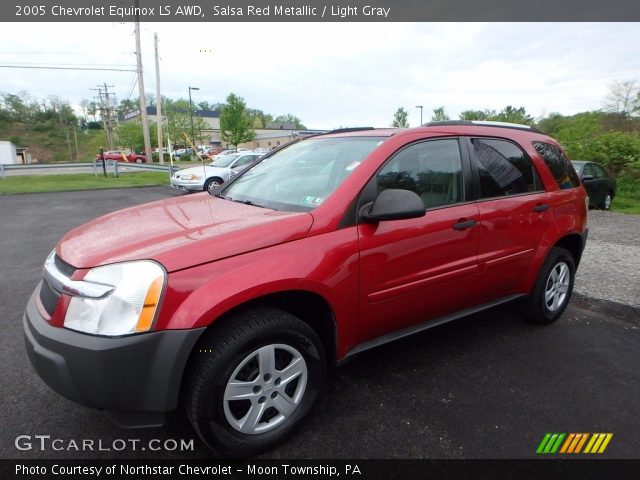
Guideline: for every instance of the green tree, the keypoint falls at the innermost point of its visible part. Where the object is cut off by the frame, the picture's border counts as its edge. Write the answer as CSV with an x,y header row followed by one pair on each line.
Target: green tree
x,y
471,115
514,115
130,135
290,119
439,115
235,122
400,118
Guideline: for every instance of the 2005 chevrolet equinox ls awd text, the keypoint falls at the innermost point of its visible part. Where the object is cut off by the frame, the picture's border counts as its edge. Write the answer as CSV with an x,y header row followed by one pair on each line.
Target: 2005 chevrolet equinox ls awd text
x,y
236,303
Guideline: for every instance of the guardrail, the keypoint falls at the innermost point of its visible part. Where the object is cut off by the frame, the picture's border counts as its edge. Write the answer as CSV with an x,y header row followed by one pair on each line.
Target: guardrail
x,y
114,167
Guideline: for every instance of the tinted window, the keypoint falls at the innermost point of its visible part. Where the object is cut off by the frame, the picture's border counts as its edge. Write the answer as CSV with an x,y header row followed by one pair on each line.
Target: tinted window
x,y
504,168
588,170
431,169
599,171
559,164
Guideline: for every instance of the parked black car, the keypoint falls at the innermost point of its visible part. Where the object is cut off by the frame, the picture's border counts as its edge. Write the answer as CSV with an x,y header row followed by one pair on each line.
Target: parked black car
x,y
600,185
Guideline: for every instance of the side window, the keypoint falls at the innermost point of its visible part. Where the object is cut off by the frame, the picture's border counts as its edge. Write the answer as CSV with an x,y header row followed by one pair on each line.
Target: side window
x,y
432,169
599,171
504,168
588,170
559,164
243,161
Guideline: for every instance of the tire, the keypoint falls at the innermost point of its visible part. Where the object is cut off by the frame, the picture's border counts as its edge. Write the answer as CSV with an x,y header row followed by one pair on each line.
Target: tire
x,y
552,290
211,184
248,356
139,160
606,201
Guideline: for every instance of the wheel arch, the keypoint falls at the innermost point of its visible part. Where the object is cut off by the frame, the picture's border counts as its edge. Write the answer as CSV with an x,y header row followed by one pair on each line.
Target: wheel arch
x,y
574,244
310,307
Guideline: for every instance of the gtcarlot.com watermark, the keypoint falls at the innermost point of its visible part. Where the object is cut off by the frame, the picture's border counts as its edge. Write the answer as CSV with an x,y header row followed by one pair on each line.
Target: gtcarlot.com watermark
x,y
42,443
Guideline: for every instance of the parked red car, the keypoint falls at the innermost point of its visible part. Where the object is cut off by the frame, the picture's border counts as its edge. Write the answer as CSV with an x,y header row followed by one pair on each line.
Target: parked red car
x,y
332,245
123,156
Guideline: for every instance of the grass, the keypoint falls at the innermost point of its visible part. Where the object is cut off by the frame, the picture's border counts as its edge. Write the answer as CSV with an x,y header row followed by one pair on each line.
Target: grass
x,y
627,198
79,181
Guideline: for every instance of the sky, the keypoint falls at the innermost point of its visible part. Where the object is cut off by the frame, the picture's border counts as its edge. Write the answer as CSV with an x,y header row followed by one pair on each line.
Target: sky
x,y
334,75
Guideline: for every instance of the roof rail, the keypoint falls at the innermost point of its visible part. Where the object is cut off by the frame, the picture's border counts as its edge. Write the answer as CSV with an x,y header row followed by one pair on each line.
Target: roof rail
x,y
484,123
347,130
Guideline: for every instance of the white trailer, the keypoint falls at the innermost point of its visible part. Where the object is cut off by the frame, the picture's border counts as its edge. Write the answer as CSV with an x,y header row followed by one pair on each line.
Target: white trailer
x,y
8,153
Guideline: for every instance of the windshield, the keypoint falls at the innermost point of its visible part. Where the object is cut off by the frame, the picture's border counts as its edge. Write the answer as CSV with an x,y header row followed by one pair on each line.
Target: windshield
x,y
301,176
224,161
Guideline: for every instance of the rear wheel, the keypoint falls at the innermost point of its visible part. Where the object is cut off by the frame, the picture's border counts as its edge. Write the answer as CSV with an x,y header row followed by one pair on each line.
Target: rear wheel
x,y
253,380
606,201
552,290
139,160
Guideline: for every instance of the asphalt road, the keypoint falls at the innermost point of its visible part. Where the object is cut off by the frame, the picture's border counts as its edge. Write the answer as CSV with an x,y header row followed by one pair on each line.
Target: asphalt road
x,y
487,386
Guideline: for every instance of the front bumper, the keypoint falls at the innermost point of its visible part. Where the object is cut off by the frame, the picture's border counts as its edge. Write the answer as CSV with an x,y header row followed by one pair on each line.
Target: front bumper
x,y
135,378
187,186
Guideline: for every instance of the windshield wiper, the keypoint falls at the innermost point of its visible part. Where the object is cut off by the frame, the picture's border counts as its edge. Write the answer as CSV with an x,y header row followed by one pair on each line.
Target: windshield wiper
x,y
248,202
245,202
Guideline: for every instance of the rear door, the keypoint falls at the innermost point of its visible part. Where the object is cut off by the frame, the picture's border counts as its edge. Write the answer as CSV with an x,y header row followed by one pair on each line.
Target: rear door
x,y
417,269
514,215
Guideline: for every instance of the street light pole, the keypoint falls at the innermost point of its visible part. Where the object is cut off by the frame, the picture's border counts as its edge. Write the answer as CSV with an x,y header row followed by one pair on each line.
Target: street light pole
x,y
191,111
420,107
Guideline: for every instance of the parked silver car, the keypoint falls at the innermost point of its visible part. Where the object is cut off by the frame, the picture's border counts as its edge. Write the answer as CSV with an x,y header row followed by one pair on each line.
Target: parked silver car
x,y
208,177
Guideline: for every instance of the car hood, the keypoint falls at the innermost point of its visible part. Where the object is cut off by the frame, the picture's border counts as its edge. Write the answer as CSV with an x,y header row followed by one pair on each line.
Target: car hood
x,y
180,232
209,170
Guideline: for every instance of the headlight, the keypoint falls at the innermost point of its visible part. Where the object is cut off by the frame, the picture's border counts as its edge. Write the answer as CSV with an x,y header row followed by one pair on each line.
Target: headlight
x,y
191,176
130,308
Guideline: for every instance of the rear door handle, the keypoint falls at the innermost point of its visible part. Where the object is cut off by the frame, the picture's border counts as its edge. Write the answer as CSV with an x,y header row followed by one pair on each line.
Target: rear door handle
x,y
541,207
464,224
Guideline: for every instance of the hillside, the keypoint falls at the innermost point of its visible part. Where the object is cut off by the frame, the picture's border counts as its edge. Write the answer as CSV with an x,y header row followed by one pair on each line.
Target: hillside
x,y
47,142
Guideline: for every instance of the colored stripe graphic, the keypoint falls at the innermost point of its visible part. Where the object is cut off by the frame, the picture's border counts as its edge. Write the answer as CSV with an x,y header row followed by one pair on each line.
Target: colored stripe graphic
x,y
550,443
598,442
573,443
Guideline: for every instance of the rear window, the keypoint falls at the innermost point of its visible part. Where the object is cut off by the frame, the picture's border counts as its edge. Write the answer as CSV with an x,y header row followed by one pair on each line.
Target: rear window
x,y
559,164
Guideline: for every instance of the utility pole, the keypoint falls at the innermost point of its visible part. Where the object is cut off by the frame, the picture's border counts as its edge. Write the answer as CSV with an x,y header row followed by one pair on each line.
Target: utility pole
x,y
158,102
105,113
143,100
191,113
109,109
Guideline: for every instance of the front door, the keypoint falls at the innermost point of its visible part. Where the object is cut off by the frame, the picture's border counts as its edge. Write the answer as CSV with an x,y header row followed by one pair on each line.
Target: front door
x,y
417,269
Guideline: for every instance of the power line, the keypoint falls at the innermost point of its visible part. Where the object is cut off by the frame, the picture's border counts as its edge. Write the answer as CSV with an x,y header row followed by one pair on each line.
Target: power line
x,y
93,52
48,64
69,68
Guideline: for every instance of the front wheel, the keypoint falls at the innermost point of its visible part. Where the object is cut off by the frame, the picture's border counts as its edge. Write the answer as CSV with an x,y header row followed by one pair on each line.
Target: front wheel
x,y
552,290
253,380
211,184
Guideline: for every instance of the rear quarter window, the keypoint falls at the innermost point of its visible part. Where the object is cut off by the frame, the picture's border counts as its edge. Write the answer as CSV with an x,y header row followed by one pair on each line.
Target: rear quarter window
x,y
559,165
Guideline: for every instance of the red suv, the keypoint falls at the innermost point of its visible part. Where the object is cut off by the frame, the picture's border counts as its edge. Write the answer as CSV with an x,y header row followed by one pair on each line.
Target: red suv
x,y
236,303
122,156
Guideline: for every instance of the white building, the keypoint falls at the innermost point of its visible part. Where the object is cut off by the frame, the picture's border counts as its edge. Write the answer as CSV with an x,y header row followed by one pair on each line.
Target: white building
x,y
8,153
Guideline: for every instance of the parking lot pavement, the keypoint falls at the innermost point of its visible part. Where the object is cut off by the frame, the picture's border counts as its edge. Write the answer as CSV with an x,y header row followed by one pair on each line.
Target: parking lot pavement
x,y
487,386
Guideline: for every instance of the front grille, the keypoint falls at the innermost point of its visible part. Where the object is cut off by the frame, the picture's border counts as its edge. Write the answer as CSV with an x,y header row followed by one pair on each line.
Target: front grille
x,y
48,298
64,267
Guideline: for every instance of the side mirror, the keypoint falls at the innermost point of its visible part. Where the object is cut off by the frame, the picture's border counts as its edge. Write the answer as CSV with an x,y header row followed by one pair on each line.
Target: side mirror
x,y
393,204
587,178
